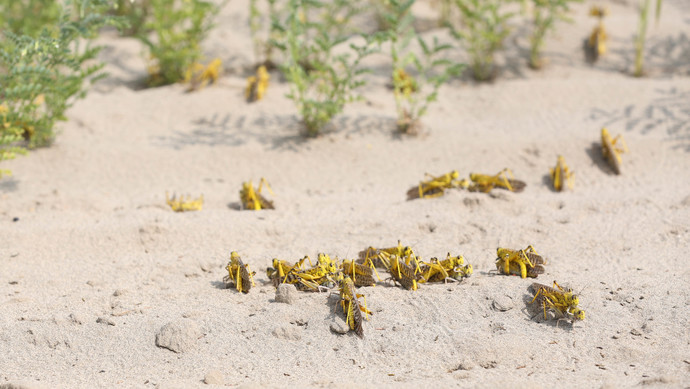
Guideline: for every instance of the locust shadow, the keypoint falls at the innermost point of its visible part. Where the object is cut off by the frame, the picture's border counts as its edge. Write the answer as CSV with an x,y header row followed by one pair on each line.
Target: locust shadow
x,y
219,285
594,152
235,205
335,311
548,182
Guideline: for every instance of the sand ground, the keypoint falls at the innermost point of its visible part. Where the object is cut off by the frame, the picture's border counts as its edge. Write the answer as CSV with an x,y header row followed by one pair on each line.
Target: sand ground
x,y
94,263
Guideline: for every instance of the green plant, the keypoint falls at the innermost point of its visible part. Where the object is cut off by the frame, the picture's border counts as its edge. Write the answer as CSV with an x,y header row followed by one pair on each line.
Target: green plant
x,y
321,81
484,27
445,11
642,35
28,17
381,8
9,137
545,14
135,12
41,77
179,27
263,31
414,93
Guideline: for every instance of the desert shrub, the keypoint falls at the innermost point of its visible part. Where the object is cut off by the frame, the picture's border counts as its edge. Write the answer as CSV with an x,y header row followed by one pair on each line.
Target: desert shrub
x,y
28,17
178,28
42,76
545,14
482,31
321,80
9,137
263,31
414,90
135,12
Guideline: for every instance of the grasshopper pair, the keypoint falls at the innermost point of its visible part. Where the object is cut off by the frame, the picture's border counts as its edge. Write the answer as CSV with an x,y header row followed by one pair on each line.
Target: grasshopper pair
x,y
198,75
278,273
183,204
596,44
361,274
381,257
400,262
239,274
405,271
561,176
526,263
252,198
563,303
451,268
484,183
435,186
317,278
612,148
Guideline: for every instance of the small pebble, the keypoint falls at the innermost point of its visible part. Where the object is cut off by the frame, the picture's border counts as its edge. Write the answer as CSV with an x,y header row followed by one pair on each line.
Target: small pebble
x,y
119,292
179,335
286,293
466,364
287,332
502,303
214,377
339,327
75,318
647,327
105,320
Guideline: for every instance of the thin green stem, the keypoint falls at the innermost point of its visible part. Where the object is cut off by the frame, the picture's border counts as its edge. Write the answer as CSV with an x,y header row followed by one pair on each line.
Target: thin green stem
x,y
640,41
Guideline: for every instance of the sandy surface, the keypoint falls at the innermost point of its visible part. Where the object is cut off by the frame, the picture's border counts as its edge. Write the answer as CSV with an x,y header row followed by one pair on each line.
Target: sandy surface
x,y
93,263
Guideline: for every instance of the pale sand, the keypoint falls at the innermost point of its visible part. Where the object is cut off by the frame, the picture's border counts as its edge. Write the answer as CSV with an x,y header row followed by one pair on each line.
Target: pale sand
x,y
94,238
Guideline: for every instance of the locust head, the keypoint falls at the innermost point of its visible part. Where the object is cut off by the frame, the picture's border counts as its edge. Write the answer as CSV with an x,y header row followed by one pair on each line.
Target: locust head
x,y
578,313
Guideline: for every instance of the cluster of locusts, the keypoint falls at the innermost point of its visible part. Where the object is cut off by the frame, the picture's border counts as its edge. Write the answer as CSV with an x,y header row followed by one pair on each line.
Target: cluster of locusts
x,y
561,175
251,197
561,303
406,270
436,186
403,266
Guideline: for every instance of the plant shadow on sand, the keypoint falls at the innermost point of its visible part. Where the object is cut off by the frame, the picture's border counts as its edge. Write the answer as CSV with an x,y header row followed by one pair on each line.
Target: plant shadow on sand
x,y
669,111
275,132
665,57
8,184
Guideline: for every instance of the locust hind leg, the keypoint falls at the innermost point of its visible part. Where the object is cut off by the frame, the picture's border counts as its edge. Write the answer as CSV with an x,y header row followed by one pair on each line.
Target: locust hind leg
x,y
619,138
364,308
238,280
